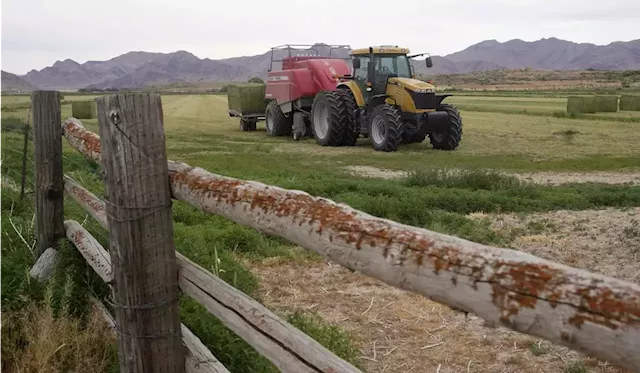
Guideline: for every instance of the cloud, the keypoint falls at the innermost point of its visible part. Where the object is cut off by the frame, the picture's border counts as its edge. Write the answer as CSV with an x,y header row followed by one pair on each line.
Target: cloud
x,y
36,33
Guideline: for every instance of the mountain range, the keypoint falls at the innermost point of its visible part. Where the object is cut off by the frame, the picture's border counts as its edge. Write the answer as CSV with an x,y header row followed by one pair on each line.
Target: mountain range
x,y
143,69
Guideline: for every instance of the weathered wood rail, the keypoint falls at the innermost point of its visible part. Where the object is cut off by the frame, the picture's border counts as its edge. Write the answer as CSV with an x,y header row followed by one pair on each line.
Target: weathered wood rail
x,y
594,314
287,347
198,358
590,313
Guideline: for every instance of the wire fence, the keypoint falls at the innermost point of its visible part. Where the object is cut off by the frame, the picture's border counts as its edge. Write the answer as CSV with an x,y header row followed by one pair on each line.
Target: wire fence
x,y
17,159
17,155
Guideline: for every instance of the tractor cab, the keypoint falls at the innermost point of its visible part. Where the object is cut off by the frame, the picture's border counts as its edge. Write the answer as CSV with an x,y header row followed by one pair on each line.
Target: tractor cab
x,y
373,66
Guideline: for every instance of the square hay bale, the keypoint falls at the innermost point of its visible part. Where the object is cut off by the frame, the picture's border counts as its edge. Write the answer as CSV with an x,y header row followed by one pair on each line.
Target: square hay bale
x,y
606,104
575,104
83,109
589,105
247,98
630,103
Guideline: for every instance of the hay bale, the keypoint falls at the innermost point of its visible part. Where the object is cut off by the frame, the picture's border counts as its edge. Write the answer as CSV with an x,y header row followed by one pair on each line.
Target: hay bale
x,y
589,105
247,98
575,104
630,103
83,109
606,104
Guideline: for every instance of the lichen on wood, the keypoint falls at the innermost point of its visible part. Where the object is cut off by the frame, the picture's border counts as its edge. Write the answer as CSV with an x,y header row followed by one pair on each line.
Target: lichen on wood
x,y
591,313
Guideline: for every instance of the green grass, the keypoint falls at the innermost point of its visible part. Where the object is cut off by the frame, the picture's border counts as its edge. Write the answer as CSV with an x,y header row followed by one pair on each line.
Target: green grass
x,y
200,133
213,242
535,106
575,367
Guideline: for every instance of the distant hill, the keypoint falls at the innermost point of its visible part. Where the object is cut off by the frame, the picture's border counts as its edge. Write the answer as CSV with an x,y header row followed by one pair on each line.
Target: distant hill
x,y
143,69
554,54
14,83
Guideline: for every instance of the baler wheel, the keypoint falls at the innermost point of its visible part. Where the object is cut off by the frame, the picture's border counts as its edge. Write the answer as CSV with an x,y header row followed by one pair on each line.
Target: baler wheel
x,y
276,123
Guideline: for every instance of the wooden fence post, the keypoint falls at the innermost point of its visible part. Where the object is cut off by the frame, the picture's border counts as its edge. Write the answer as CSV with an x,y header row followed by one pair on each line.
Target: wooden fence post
x,y
23,180
49,186
145,273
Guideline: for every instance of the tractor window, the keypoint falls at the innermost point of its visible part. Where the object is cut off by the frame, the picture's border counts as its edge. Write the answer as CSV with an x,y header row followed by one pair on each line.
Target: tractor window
x,y
361,73
397,65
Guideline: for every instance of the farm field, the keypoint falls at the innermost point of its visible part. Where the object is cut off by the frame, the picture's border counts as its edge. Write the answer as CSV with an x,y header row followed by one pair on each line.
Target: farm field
x,y
565,189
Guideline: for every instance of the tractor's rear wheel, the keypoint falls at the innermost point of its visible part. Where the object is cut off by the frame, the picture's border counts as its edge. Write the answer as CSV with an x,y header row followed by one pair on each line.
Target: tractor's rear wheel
x,y
385,128
276,123
450,138
329,118
350,135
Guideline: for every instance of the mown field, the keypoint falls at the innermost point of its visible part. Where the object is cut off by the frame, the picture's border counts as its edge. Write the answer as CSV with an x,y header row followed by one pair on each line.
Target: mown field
x,y
490,200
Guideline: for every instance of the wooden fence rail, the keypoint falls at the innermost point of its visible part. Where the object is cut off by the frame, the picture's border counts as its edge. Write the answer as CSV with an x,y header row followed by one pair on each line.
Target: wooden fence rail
x,y
594,314
285,346
198,358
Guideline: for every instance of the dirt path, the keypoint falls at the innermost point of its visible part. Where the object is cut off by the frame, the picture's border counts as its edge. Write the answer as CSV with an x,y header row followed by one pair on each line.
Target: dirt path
x,y
549,178
399,331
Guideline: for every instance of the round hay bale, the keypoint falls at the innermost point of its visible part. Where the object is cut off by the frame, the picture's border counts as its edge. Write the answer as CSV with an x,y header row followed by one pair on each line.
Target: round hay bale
x,y
606,104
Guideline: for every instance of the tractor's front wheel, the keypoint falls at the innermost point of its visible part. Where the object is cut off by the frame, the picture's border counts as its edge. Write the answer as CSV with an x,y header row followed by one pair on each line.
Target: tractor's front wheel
x,y
385,128
450,138
330,118
276,123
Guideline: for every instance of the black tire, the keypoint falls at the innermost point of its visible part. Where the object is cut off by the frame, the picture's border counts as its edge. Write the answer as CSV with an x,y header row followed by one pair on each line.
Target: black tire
x,y
276,123
389,136
450,139
412,133
247,125
418,137
351,133
329,118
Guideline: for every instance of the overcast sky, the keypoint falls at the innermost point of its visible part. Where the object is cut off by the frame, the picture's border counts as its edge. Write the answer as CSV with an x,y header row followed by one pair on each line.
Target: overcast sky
x,y
36,33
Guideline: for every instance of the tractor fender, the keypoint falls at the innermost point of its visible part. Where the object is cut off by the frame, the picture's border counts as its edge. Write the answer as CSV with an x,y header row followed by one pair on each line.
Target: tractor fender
x,y
376,100
440,98
355,89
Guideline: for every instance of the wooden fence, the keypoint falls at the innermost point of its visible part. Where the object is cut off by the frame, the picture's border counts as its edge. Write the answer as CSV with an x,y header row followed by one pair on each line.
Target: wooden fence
x,y
590,313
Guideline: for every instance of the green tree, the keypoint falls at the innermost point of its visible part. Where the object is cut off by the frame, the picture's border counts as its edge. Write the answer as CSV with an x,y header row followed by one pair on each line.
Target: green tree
x,y
255,79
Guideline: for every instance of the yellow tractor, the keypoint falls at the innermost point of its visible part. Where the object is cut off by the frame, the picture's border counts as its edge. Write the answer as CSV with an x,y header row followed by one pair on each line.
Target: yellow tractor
x,y
382,100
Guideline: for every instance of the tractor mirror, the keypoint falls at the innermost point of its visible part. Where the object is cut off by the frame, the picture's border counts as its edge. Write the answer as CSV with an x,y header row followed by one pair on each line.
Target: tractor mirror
x,y
356,63
429,62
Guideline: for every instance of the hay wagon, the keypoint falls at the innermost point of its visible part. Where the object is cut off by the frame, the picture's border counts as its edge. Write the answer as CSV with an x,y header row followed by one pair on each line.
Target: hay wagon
x,y
247,102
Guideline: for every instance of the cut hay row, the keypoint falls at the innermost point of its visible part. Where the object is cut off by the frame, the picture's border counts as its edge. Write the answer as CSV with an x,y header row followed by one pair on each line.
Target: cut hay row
x,y
630,103
83,109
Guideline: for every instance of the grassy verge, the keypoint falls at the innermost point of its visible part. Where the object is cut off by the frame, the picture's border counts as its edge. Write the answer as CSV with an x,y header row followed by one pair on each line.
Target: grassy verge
x,y
215,243
555,113
199,133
